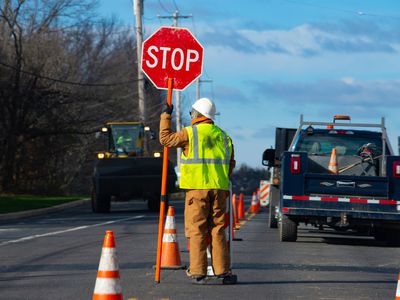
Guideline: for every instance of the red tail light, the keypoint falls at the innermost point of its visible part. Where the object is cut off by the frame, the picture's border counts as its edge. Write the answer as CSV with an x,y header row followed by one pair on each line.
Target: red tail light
x,y
295,164
396,169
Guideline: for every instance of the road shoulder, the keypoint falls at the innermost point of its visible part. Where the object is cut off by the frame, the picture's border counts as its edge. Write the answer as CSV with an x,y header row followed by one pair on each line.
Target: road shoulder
x,y
41,211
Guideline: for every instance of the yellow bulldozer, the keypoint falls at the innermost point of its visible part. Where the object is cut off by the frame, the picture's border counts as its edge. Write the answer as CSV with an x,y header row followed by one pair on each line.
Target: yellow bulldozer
x,y
125,170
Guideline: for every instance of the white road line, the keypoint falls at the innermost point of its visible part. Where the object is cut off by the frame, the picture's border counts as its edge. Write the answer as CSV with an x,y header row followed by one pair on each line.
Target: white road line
x,y
77,219
32,237
9,229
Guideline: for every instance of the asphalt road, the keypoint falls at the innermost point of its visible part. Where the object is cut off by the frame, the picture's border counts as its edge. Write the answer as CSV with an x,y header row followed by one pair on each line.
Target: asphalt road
x,y
57,256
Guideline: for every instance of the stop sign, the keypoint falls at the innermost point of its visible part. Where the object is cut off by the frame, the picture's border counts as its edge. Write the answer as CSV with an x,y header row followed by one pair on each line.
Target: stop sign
x,y
172,52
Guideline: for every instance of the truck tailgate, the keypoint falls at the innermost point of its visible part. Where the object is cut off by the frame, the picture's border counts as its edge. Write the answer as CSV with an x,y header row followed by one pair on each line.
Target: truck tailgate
x,y
343,193
371,186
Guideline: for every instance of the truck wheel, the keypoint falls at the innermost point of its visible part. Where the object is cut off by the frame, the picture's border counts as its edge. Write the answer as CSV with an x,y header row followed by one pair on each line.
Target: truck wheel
x,y
287,230
272,221
392,237
100,203
153,202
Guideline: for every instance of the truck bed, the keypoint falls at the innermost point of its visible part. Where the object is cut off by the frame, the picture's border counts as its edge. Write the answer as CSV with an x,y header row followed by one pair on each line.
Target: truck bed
x,y
319,164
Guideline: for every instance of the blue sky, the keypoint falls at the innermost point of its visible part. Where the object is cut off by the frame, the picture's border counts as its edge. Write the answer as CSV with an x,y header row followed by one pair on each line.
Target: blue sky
x,y
272,60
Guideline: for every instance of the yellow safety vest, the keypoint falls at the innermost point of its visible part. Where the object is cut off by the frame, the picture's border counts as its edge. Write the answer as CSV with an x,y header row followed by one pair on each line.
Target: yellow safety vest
x,y
208,160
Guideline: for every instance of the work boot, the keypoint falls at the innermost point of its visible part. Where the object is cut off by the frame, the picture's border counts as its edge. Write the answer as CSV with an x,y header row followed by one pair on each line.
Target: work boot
x,y
196,279
202,279
228,278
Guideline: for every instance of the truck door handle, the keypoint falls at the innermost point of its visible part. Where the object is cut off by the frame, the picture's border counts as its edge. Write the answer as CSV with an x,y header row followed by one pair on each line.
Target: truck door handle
x,y
345,184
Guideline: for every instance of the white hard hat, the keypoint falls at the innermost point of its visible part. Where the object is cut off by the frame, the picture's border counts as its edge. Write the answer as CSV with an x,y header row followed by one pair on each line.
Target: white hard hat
x,y
206,107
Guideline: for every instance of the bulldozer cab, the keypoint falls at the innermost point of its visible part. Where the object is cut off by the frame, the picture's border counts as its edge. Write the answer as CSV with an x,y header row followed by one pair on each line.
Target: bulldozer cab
x,y
125,139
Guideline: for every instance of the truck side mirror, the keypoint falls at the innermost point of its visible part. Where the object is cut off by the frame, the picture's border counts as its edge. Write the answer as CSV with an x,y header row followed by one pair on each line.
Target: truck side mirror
x,y
268,158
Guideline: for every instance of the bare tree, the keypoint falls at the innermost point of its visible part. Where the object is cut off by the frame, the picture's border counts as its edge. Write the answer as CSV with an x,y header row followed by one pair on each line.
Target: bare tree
x,y
62,74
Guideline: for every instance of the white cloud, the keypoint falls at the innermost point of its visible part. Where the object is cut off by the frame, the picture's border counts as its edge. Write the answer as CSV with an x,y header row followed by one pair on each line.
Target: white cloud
x,y
293,41
348,80
306,39
354,94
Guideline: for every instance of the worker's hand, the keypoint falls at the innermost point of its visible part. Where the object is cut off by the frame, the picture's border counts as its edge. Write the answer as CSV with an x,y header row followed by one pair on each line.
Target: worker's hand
x,y
168,109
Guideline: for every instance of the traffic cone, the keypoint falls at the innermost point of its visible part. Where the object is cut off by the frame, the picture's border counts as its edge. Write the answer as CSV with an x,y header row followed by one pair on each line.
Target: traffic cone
x,y
253,207
398,288
258,200
108,285
241,213
170,256
235,212
333,164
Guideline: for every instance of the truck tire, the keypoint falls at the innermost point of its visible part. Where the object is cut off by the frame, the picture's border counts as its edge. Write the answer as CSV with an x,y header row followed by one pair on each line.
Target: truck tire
x,y
153,201
100,203
287,230
272,221
390,236
393,241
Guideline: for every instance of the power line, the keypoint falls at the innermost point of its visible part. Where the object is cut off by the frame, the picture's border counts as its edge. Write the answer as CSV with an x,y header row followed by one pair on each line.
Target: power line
x,y
176,6
163,7
66,81
212,90
320,6
73,29
194,26
353,12
175,17
149,19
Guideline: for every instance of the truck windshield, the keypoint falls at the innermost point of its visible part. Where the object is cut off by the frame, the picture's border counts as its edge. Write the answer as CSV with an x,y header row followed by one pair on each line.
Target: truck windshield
x,y
127,138
321,143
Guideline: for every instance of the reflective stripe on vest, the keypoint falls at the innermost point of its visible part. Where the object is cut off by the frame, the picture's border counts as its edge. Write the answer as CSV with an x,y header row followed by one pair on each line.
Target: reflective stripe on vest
x,y
208,160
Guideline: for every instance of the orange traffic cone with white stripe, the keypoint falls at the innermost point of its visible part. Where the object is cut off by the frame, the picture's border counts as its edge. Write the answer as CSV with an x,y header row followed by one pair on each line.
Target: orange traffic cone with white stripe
x,y
170,256
398,288
241,213
108,285
236,224
253,207
333,164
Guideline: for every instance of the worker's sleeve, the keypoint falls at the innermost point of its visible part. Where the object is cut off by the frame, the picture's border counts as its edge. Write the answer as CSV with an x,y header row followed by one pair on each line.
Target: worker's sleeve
x,y
168,138
232,162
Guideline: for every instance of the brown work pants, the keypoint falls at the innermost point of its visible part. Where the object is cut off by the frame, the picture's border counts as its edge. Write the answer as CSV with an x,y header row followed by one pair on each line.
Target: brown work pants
x,y
205,217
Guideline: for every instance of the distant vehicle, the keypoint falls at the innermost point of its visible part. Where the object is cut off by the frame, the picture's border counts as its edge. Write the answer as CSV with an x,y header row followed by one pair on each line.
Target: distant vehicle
x,y
363,194
283,139
124,170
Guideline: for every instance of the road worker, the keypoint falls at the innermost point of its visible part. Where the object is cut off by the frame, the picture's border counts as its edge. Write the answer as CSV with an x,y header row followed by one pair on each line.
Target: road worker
x,y
124,141
206,164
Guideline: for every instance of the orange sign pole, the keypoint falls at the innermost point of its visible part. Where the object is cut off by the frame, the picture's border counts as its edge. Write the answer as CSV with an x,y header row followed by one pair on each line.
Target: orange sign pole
x,y
163,198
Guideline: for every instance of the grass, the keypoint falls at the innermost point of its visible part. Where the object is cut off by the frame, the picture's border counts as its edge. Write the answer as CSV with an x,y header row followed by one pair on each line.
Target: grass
x,y
17,203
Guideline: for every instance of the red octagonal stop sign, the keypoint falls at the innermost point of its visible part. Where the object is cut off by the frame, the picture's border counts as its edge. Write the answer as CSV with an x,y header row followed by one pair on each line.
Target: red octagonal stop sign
x,y
172,52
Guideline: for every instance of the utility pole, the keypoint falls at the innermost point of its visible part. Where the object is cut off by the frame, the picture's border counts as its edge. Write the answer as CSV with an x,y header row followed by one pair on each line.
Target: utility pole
x,y
175,17
138,11
198,81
